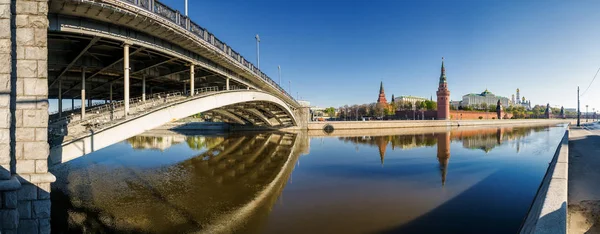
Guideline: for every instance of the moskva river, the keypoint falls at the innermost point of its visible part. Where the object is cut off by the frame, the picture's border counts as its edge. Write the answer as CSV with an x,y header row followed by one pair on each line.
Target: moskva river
x,y
429,180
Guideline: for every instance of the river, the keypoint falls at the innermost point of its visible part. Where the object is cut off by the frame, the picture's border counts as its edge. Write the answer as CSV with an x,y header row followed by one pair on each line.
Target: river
x,y
462,180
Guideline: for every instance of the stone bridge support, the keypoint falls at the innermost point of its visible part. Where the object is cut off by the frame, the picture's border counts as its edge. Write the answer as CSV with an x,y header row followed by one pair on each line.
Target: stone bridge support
x,y
24,178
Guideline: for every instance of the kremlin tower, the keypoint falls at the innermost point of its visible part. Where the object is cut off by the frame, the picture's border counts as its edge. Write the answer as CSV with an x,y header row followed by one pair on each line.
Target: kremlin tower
x,y
381,100
443,96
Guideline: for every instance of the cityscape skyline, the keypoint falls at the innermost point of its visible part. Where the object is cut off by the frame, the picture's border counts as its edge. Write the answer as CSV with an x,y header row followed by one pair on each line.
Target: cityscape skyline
x,y
525,45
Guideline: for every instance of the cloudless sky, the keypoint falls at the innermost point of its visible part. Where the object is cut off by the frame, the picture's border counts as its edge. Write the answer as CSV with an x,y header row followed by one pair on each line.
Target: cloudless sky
x,y
336,52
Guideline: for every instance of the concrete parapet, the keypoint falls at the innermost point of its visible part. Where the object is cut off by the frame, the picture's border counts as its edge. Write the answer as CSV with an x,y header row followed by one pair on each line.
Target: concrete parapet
x,y
548,212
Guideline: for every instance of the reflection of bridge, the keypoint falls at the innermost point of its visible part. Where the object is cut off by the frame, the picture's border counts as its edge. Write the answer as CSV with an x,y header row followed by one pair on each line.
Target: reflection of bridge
x,y
235,180
140,57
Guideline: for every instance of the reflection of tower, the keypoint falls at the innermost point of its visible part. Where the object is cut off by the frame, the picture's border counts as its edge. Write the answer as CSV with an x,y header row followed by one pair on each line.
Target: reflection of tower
x,y
382,145
443,153
443,96
499,135
518,97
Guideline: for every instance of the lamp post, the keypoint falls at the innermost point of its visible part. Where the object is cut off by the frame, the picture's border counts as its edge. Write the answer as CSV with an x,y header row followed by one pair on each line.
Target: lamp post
x,y
586,113
186,7
257,51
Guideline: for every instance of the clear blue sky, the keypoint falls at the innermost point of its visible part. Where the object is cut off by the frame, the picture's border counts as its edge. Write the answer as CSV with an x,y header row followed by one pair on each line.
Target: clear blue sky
x,y
336,52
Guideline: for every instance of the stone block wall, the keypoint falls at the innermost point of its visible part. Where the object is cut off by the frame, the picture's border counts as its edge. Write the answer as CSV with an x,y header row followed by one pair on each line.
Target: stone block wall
x,y
24,178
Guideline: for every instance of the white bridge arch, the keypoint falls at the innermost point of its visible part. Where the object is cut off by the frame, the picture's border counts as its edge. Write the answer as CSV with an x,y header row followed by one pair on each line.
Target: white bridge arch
x,y
223,104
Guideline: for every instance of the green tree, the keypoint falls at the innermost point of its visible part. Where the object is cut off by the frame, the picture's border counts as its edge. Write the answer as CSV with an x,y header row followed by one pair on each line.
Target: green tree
x,y
330,111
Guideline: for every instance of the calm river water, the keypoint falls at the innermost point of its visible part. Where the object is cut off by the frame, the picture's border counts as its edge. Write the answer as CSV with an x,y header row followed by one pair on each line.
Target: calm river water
x,y
465,180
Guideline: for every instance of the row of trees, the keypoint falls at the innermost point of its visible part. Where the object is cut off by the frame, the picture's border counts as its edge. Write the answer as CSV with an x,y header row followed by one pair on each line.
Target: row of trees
x,y
375,110
418,105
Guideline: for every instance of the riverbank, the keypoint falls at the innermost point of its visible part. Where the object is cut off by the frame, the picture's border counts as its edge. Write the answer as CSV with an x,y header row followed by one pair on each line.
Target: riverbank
x,y
340,125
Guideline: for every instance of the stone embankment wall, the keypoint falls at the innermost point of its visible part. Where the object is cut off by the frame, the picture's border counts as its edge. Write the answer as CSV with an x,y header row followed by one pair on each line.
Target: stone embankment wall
x,y
548,212
454,115
24,178
425,123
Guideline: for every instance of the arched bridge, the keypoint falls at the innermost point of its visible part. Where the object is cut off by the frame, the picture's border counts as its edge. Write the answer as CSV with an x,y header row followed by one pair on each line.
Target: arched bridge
x,y
104,128
116,68
137,64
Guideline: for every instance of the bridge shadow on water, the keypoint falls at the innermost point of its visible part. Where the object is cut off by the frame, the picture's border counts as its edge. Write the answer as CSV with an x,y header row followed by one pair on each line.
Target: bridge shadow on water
x,y
458,215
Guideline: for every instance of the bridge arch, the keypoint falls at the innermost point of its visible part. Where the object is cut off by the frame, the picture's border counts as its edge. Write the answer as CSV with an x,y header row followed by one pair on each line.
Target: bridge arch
x,y
220,101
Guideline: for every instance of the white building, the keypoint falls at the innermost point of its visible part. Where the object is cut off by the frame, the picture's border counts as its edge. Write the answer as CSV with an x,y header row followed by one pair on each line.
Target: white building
x,y
486,97
411,99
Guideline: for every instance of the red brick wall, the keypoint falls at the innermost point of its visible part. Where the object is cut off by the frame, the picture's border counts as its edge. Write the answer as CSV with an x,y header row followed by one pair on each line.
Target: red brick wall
x,y
454,114
458,115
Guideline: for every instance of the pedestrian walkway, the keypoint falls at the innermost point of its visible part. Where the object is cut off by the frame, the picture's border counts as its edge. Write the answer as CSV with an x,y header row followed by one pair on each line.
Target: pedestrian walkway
x,y
584,179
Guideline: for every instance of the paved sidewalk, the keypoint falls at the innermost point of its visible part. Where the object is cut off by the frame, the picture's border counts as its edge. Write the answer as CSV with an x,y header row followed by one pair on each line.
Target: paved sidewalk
x,y
584,180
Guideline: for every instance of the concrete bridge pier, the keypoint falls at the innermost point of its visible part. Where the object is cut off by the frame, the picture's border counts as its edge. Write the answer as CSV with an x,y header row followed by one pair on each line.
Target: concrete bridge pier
x,y
192,80
126,78
83,93
144,88
24,178
60,98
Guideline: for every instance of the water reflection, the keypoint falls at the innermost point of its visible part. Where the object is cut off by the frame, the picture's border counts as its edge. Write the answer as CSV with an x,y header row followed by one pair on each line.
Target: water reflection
x,y
480,138
233,181
225,183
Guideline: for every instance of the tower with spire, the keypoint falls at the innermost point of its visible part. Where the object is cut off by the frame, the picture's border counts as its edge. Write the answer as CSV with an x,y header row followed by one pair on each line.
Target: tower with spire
x,y
381,100
518,97
443,96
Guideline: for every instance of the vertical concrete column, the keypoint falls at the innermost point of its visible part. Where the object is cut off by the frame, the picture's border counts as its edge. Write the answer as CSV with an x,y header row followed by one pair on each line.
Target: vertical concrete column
x,y
143,88
227,84
192,73
111,98
9,215
126,77
30,79
82,93
60,98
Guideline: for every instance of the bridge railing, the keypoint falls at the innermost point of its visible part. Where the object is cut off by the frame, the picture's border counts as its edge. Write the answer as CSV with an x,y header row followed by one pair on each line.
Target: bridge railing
x,y
176,17
108,114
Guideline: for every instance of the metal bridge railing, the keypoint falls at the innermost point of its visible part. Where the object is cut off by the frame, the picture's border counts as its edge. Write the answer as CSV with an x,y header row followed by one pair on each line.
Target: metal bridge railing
x,y
105,115
183,21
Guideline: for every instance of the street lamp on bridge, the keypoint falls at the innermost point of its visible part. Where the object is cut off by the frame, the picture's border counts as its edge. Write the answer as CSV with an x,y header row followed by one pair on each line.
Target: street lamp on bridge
x,y
257,51
186,7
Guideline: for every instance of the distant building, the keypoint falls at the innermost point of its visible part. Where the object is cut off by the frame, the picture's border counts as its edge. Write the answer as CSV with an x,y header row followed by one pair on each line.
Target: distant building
x,y
571,110
411,99
486,97
455,104
521,101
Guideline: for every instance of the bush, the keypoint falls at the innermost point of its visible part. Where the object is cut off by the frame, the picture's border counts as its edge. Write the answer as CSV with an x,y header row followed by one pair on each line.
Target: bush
x,y
480,117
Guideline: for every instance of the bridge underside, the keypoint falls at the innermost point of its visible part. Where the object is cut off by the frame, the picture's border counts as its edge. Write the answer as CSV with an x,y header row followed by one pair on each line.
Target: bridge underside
x,y
100,60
